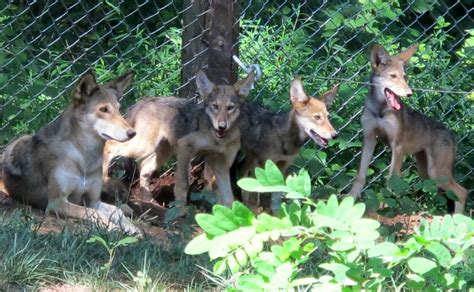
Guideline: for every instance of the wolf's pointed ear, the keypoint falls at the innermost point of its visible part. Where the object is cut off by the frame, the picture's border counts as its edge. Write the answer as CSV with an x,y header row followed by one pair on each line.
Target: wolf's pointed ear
x,y
297,93
243,87
328,96
378,56
121,83
84,87
203,84
408,53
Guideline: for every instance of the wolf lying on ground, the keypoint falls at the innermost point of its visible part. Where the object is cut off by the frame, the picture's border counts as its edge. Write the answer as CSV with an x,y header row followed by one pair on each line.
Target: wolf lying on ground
x,y
59,168
167,125
405,130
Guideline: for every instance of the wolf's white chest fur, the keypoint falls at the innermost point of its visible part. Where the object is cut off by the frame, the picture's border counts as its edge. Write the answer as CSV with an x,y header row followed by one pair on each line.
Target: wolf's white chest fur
x,y
76,174
387,124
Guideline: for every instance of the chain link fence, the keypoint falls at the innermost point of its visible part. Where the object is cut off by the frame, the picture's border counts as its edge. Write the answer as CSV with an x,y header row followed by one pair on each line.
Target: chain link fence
x,y
46,45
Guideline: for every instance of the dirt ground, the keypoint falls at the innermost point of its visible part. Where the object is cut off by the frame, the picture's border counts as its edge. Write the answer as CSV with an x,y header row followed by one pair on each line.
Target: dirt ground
x,y
152,214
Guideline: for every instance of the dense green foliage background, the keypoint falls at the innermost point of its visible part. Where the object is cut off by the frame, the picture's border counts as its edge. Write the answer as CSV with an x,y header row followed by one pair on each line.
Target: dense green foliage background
x,y
44,47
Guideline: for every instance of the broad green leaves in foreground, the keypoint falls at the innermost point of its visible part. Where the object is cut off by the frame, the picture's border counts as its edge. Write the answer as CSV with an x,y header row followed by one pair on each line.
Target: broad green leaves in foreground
x,y
267,252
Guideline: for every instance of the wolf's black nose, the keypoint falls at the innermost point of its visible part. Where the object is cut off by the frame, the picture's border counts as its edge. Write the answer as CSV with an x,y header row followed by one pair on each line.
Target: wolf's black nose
x,y
221,127
131,133
334,135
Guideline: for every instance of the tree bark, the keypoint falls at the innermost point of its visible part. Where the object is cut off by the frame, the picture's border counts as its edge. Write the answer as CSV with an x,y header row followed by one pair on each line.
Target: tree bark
x,y
210,38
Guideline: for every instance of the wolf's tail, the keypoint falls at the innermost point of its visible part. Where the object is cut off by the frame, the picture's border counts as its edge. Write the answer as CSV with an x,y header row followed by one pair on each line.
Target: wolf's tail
x,y
8,164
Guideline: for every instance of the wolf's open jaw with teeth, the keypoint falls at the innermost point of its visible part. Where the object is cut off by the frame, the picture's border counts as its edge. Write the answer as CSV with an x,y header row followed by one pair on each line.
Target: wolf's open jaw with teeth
x,y
393,100
318,139
221,133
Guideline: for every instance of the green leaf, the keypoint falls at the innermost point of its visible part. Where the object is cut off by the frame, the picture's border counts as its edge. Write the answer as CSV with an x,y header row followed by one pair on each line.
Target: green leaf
x,y
447,227
462,219
384,249
243,215
303,282
342,246
421,265
97,238
282,276
305,182
363,224
273,173
295,196
339,271
241,257
252,283
264,222
264,268
219,267
441,253
332,206
356,212
248,184
252,185
398,185
294,212
232,263
261,177
198,245
127,240
415,282
209,224
434,230
253,247
270,258
325,221
224,217
366,235
345,207
449,278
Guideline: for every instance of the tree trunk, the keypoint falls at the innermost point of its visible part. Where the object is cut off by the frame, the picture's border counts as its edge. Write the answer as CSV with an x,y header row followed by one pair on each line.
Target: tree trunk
x,y
210,38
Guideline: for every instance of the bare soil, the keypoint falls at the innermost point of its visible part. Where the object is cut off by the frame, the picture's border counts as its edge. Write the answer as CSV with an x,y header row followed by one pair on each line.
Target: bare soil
x,y
152,213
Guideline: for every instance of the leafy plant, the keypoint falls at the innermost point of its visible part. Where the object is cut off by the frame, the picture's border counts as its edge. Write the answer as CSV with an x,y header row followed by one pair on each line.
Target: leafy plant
x,y
111,248
332,239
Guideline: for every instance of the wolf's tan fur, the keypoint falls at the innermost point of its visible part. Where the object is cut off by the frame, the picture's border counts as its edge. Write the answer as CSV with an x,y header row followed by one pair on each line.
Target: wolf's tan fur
x,y
405,130
59,168
167,125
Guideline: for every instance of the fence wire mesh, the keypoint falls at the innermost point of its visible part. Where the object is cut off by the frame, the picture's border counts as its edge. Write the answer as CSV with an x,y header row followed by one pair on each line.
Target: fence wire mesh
x,y
46,45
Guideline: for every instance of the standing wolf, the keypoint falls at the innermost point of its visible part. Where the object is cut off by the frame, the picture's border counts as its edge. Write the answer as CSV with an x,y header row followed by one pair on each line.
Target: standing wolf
x,y
278,137
59,168
167,125
405,130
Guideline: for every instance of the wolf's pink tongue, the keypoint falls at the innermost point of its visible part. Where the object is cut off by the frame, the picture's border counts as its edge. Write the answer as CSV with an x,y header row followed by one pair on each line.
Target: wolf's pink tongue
x,y
393,101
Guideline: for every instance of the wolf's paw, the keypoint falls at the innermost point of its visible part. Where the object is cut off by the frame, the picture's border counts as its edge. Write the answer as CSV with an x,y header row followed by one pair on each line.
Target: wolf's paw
x,y
126,210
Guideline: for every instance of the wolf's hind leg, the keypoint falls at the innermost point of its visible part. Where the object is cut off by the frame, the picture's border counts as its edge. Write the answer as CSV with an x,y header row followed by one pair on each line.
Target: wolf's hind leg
x,y
422,164
440,166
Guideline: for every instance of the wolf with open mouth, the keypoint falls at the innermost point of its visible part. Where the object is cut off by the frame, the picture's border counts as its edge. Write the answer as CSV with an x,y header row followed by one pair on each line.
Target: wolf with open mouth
x,y
405,130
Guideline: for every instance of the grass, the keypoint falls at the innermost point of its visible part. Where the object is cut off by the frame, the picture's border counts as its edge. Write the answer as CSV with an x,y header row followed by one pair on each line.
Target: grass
x,y
32,260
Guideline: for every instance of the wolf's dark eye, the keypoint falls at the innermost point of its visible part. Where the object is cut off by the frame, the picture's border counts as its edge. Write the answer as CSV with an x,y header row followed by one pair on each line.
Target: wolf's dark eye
x,y
393,75
104,109
231,107
215,106
317,117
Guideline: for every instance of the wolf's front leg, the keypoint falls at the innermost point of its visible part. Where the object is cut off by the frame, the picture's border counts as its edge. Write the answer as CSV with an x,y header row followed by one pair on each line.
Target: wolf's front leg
x,y
224,187
396,161
184,155
109,213
117,217
370,141
221,164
